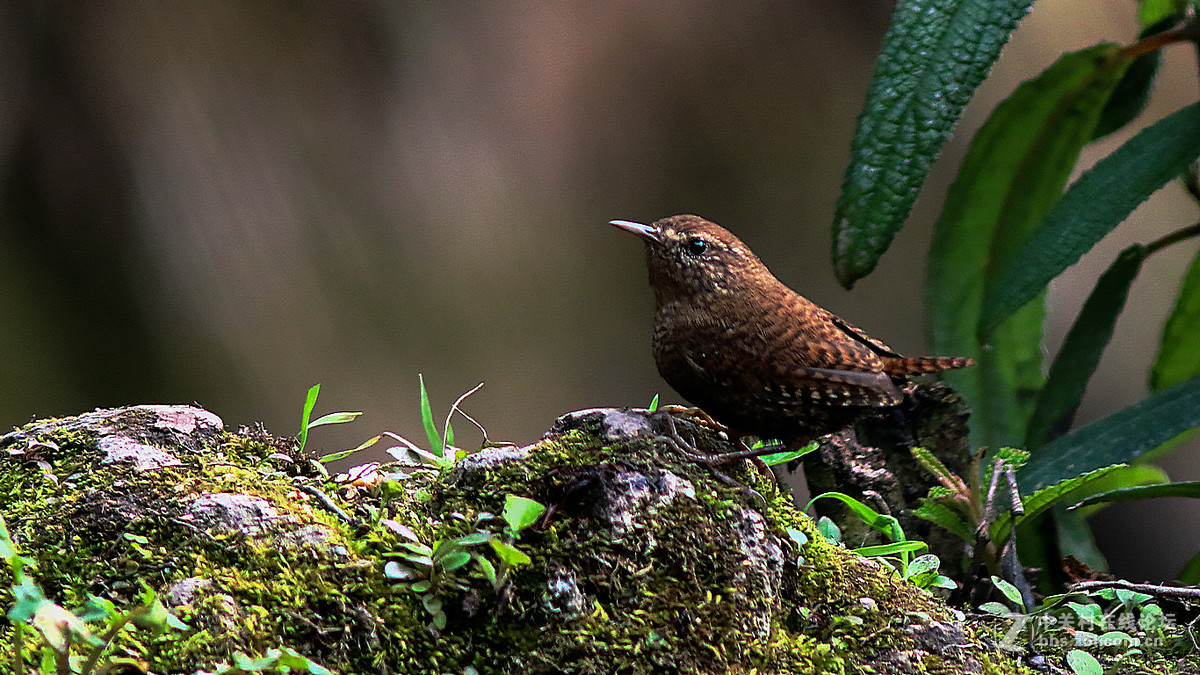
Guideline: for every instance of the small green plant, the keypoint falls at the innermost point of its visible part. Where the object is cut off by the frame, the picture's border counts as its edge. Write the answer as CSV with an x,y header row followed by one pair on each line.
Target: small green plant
x,y
274,661
441,453
434,570
787,456
1115,621
968,507
310,401
923,570
74,642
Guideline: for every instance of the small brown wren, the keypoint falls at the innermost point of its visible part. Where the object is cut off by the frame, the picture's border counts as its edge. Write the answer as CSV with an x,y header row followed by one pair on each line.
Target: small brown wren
x,y
752,353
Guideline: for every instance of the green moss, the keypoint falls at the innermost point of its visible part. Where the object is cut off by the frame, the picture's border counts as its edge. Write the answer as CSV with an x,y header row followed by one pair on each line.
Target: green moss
x,y
667,595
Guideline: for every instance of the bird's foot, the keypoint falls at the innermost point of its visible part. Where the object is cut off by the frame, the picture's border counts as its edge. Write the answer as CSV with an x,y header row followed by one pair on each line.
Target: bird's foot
x,y
688,450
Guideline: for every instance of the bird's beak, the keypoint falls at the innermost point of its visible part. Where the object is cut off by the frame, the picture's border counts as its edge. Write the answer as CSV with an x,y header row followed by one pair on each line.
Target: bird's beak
x,y
645,231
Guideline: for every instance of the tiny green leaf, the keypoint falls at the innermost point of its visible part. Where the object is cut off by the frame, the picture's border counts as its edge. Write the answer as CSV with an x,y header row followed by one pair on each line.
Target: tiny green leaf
x,y
892,549
489,570
510,554
435,439
474,539
455,560
521,512
1083,663
942,515
334,418
310,401
1009,591
785,457
923,564
654,403
829,529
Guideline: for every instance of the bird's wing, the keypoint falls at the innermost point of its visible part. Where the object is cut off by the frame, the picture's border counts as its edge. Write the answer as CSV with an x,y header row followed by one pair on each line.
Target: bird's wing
x,y
842,374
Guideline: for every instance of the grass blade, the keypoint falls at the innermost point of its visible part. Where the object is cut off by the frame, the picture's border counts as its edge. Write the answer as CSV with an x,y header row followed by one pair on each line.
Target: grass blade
x,y
435,439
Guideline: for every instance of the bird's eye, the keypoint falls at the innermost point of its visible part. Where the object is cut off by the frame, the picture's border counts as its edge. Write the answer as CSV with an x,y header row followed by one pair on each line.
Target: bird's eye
x,y
696,246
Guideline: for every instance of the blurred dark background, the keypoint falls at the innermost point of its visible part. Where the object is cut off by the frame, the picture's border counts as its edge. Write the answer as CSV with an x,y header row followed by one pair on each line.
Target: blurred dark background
x,y
228,202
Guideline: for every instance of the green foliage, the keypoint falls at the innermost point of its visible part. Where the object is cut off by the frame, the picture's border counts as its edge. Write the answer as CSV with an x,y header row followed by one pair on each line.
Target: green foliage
x,y
442,453
1081,350
521,512
284,660
935,54
1121,437
80,641
785,457
1008,228
1178,358
434,570
1117,622
1190,489
310,401
922,570
1014,170
1095,204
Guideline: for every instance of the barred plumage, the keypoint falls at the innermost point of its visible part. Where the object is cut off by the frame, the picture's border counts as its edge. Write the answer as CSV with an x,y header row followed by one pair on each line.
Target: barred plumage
x,y
753,354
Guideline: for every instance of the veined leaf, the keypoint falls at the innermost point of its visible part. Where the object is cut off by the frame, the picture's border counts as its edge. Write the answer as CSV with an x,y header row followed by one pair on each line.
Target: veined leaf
x,y
1045,497
935,53
1121,437
1015,169
1080,352
940,514
1095,204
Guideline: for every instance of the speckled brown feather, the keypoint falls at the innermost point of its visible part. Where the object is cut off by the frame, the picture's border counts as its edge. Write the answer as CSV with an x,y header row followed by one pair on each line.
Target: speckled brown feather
x,y
755,355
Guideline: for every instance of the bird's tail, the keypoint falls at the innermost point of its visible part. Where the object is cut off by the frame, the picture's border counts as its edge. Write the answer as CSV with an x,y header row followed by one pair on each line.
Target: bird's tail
x,y
923,365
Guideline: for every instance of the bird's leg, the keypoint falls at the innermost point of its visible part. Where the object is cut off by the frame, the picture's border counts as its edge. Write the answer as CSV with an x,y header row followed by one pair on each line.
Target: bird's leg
x,y
688,450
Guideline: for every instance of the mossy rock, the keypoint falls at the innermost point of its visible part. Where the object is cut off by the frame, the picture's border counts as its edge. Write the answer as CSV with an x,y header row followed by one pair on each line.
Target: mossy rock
x,y
644,562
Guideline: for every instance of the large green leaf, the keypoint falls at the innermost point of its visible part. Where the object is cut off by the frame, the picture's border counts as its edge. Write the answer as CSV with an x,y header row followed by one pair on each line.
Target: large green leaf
x,y
1015,168
1080,352
1182,489
1095,204
935,53
1119,438
1179,354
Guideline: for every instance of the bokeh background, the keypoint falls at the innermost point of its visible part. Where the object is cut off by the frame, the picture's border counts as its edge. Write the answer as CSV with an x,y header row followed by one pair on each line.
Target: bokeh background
x,y
224,203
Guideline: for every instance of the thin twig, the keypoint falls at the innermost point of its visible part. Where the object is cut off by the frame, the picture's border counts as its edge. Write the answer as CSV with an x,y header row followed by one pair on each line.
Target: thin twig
x,y
453,408
1185,593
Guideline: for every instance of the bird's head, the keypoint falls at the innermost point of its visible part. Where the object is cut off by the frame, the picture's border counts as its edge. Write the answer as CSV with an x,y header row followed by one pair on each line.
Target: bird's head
x,y
689,256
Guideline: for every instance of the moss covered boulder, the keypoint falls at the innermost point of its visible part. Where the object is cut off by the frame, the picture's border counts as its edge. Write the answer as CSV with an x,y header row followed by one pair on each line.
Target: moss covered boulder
x,y
642,561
